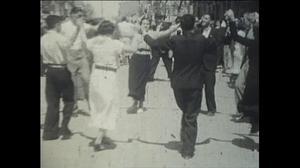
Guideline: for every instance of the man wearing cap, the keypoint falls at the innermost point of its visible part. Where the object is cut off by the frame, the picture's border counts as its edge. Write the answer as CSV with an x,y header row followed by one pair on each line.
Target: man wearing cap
x,y
54,50
78,63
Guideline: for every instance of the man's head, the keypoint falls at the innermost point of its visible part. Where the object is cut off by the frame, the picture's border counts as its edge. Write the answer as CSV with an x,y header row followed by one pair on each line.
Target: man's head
x,y
187,22
159,18
76,13
54,22
205,20
106,28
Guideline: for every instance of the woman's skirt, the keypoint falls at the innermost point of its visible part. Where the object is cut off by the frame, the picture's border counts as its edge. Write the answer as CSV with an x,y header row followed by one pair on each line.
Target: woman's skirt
x,y
139,66
103,98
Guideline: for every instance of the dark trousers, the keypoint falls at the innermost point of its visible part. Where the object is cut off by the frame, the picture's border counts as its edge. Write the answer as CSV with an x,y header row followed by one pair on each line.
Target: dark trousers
x,y
155,60
189,102
58,85
209,86
220,53
139,66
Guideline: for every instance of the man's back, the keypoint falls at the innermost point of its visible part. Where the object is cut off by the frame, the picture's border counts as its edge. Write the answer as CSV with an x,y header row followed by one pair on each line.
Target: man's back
x,y
188,53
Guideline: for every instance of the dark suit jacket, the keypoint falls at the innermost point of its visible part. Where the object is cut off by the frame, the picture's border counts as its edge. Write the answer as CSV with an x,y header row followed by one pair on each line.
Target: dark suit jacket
x,y
188,52
160,44
215,39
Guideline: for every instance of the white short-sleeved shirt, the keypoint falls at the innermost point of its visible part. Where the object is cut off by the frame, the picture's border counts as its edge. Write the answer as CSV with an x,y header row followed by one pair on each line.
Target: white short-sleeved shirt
x,y
54,48
106,51
68,29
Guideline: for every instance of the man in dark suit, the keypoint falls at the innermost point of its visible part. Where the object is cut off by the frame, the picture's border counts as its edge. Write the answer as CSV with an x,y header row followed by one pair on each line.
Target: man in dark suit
x,y
187,80
210,61
160,51
249,104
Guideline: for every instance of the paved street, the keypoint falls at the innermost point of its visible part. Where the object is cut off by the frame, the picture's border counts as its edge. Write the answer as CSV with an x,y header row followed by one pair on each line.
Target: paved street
x,y
151,139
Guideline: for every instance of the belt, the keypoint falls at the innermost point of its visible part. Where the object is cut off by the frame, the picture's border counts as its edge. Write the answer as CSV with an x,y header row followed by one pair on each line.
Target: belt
x,y
143,49
106,68
56,65
143,52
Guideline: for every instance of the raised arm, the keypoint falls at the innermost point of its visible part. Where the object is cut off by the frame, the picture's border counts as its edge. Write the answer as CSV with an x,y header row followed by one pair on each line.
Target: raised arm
x,y
165,33
244,41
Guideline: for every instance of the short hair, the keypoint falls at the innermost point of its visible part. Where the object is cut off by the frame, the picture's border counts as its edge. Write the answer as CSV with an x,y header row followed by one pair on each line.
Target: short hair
x,y
187,22
145,18
75,10
106,28
52,20
159,16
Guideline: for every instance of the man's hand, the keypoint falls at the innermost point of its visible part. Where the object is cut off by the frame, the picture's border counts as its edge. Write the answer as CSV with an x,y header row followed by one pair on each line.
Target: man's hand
x,y
174,27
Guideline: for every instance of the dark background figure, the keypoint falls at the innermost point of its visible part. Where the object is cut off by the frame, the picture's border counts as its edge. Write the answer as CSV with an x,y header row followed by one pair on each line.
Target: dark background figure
x,y
220,34
187,80
160,51
249,104
58,80
210,61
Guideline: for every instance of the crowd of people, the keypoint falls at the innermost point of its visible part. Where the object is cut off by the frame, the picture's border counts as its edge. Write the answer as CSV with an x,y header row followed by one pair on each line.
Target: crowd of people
x,y
81,59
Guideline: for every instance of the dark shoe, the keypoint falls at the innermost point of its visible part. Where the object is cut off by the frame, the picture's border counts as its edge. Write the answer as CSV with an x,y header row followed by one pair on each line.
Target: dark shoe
x,y
132,110
187,155
211,113
66,134
98,147
50,137
254,129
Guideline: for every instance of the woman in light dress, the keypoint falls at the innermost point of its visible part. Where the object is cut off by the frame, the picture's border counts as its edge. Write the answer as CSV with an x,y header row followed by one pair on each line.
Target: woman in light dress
x,y
103,90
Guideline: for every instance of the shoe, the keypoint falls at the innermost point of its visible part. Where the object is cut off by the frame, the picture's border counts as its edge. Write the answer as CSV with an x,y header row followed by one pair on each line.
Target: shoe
x,y
66,134
98,147
187,155
254,129
141,110
49,138
132,110
211,113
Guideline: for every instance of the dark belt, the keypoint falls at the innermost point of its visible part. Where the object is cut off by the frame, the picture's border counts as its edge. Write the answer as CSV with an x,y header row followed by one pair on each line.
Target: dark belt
x,y
60,66
106,68
143,49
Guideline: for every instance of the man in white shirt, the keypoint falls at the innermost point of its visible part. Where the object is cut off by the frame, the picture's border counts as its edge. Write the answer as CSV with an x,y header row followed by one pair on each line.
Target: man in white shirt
x,y
54,50
78,63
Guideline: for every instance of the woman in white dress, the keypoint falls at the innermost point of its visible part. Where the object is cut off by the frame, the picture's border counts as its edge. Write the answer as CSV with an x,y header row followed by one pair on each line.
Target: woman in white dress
x,y
103,93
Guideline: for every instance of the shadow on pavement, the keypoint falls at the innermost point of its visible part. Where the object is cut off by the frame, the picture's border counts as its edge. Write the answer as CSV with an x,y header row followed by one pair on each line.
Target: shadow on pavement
x,y
244,142
172,145
107,143
206,112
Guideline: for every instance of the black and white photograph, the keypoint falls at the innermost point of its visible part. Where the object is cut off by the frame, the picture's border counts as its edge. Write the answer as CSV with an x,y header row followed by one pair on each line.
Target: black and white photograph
x,y
149,84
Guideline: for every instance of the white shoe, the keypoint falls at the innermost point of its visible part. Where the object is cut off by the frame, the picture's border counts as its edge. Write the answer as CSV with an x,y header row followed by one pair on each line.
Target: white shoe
x,y
140,110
